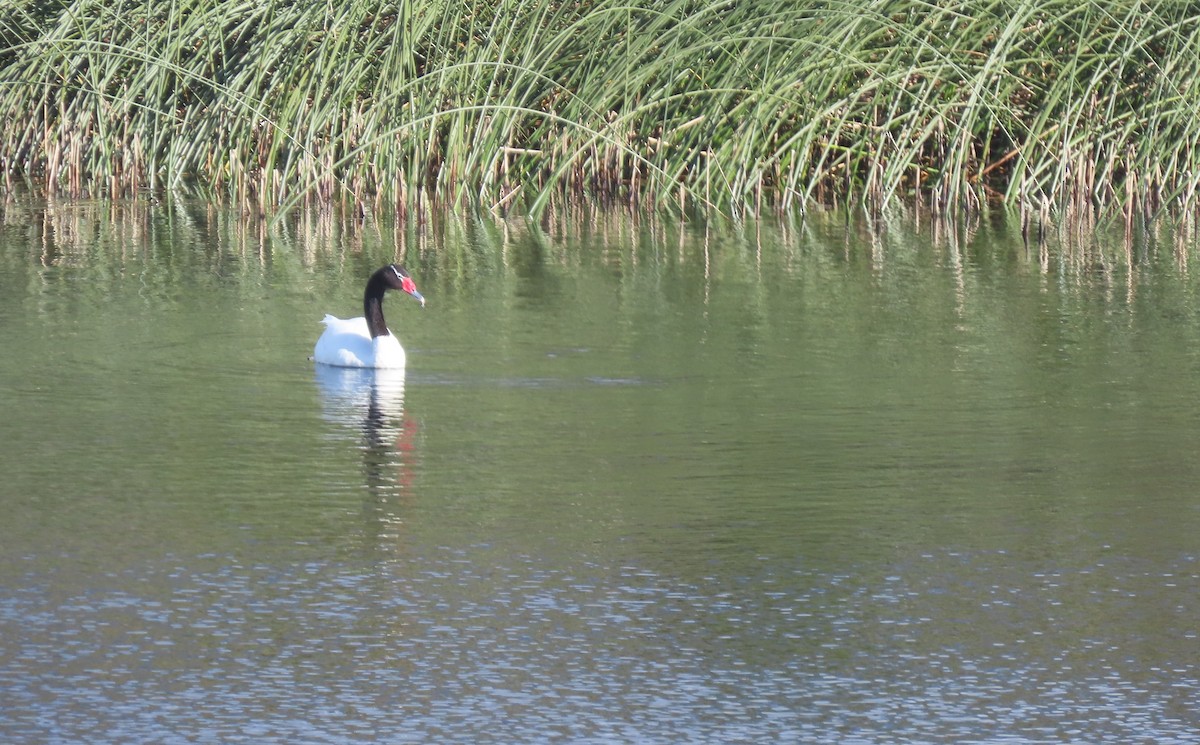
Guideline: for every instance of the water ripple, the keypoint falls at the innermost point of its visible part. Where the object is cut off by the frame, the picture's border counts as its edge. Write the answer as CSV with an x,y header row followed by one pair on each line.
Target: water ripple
x,y
457,646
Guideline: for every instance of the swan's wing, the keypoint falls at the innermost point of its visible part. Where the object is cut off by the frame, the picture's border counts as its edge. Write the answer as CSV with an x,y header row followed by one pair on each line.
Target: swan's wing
x,y
345,343
337,325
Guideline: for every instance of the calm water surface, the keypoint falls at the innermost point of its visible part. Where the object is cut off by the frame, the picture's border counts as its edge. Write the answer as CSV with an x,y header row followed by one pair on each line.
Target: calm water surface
x,y
641,483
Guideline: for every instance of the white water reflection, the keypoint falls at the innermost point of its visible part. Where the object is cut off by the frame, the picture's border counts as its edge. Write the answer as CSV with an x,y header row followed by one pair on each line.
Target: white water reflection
x,y
367,406
363,398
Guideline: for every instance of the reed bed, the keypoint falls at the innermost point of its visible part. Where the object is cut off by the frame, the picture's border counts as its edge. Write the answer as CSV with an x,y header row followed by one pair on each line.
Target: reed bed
x,y
691,105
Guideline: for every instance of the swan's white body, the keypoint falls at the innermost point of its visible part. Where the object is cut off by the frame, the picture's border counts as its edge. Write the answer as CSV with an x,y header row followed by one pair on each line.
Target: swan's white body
x,y
366,341
347,342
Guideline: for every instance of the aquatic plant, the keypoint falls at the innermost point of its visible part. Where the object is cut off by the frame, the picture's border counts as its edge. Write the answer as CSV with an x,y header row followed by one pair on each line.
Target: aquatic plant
x,y
708,105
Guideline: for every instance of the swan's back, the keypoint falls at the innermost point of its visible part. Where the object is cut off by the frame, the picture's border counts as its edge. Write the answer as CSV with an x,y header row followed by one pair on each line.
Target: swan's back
x,y
347,343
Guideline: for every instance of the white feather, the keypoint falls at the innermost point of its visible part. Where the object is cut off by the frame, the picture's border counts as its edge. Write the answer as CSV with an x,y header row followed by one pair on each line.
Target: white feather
x,y
348,343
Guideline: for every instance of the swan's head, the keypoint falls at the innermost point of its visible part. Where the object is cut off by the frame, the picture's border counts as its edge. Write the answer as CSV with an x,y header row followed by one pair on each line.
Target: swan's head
x,y
398,279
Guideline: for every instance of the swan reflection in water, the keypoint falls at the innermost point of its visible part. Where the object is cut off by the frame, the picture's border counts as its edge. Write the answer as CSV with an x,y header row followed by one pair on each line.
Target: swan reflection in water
x,y
368,404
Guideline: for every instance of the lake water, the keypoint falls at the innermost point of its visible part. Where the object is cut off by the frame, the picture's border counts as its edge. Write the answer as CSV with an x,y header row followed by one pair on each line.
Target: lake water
x,y
642,482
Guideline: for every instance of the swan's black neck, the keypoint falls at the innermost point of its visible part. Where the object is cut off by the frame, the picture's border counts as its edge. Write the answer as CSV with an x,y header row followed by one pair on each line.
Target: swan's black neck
x,y
373,305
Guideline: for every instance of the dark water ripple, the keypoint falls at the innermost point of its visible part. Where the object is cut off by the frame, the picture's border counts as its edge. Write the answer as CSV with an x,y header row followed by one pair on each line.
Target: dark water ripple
x,y
456,647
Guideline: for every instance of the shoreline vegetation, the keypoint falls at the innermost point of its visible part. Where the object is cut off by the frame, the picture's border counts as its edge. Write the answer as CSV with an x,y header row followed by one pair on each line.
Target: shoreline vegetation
x,y
689,106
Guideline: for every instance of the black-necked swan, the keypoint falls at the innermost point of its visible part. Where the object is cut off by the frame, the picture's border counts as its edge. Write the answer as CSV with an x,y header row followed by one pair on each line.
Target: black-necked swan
x,y
366,341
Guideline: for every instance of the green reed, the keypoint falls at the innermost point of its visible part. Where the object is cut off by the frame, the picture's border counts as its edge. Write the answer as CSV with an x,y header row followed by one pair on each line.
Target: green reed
x,y
695,105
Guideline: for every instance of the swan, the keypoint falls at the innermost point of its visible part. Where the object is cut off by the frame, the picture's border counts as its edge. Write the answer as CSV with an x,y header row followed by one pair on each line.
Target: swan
x,y
366,341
